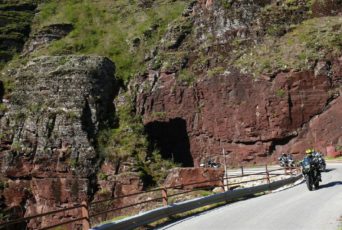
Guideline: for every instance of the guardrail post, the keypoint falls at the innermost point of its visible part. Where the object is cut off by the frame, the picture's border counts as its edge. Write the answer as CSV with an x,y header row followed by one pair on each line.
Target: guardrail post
x,y
164,195
226,184
85,215
267,175
242,174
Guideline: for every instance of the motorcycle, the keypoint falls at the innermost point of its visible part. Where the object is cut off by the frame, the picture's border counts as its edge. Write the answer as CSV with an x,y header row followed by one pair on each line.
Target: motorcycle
x,y
210,164
321,162
286,161
310,170
282,161
291,162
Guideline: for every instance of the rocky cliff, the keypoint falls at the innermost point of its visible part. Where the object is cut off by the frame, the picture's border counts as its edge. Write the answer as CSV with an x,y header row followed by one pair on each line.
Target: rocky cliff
x,y
15,18
190,78
250,77
250,119
48,150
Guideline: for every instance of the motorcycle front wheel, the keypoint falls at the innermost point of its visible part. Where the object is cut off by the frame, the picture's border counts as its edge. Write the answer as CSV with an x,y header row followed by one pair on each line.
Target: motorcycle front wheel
x,y
309,182
317,185
324,167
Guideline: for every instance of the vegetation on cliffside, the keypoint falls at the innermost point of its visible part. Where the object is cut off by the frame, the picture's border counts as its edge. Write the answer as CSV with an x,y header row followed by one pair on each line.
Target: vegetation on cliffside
x,y
15,26
125,31
314,39
128,140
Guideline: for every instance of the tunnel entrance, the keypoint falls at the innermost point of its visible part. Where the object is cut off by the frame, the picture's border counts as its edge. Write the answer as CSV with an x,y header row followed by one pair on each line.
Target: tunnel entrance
x,y
172,139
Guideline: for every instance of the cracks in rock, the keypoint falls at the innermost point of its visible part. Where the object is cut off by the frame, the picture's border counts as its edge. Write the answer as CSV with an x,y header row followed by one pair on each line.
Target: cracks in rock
x,y
50,124
155,80
197,106
27,177
290,105
330,72
278,140
146,91
2,91
273,142
286,140
87,124
330,100
327,105
248,142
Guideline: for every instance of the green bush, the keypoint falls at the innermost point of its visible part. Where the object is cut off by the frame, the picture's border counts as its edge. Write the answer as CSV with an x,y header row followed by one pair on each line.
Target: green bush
x,y
129,140
215,71
102,176
280,93
186,76
3,108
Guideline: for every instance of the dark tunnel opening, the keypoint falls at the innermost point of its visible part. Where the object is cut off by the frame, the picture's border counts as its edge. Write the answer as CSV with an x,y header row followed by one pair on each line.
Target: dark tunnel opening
x,y
172,139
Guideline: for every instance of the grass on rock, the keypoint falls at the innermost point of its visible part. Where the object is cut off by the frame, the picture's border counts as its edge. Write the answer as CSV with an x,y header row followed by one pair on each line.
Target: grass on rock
x,y
122,30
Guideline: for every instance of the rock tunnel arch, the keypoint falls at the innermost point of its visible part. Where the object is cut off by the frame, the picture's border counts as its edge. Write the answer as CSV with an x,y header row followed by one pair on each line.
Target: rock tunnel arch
x,y
171,138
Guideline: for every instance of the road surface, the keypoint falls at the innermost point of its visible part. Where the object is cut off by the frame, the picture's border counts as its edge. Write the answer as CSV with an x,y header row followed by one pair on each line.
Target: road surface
x,y
293,208
258,169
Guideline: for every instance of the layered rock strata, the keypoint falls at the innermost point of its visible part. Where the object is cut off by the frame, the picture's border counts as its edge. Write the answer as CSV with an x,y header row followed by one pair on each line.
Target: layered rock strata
x,y
48,140
249,118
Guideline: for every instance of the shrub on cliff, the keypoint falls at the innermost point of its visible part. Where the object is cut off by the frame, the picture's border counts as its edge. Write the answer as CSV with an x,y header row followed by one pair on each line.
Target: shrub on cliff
x,y
128,140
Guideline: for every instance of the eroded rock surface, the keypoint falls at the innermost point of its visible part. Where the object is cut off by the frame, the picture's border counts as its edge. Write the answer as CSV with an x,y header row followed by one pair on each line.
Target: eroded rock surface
x,y
46,35
199,96
49,133
191,177
247,117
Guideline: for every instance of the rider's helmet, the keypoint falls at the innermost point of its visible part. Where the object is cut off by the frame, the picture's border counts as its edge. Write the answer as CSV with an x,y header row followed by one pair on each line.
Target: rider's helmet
x,y
309,152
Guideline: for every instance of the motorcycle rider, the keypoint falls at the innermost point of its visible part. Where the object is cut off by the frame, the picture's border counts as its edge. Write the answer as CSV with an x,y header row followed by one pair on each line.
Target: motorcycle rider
x,y
320,160
283,159
310,154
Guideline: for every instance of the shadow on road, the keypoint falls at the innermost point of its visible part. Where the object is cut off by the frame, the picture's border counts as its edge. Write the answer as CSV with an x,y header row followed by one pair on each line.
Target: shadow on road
x,y
330,169
176,219
331,184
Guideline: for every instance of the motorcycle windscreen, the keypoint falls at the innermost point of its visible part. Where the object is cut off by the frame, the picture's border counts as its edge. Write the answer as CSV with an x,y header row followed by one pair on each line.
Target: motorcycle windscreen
x,y
306,163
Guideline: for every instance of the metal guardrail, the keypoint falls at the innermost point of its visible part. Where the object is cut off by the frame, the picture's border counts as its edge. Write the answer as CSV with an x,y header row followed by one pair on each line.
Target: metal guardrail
x,y
157,214
84,218
86,207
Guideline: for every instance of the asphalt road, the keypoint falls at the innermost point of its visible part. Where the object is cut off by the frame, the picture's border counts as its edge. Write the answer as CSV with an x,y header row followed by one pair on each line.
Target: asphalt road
x,y
290,209
238,172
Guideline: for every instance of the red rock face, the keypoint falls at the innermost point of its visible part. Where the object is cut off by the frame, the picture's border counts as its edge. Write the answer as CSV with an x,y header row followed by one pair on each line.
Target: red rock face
x,y
47,153
326,8
112,185
183,176
333,152
249,118
322,131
